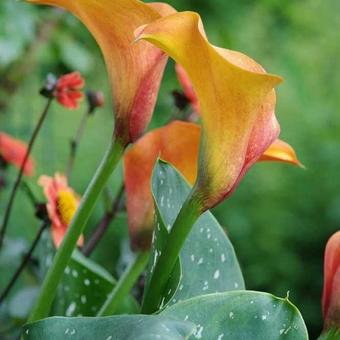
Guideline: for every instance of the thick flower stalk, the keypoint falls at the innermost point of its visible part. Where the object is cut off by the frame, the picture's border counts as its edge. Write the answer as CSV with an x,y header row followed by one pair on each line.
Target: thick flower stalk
x,y
237,104
13,151
331,289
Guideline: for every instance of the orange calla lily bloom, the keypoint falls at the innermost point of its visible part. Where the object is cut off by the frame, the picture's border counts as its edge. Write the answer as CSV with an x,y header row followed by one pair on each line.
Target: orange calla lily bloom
x,y
177,143
62,204
135,70
236,99
278,151
331,289
13,151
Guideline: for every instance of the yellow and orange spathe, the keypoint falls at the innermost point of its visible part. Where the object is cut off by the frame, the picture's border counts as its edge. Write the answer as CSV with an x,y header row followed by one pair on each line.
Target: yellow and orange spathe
x,y
177,143
236,100
135,70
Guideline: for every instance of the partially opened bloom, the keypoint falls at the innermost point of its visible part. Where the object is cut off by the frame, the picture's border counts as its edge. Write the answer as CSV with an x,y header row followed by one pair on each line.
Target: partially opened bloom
x,y
135,70
13,151
68,90
177,143
62,203
236,99
331,289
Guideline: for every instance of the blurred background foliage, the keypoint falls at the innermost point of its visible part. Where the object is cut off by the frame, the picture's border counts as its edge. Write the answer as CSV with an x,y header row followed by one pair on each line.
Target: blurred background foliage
x,y
280,217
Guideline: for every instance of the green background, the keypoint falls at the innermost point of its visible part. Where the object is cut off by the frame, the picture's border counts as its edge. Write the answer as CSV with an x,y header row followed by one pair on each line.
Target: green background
x,y
280,217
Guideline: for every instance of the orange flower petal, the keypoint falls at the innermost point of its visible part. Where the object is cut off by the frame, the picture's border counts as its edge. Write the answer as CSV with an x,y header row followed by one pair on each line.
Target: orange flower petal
x,y
236,98
135,70
177,143
331,290
281,151
68,90
13,151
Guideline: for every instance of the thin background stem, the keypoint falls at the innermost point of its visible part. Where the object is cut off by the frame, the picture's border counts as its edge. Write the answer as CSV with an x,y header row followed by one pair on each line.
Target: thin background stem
x,y
21,171
23,263
103,224
75,143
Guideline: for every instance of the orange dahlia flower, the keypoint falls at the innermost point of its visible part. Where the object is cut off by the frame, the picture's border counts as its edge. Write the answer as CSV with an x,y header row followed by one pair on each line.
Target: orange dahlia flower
x,y
62,203
13,151
68,90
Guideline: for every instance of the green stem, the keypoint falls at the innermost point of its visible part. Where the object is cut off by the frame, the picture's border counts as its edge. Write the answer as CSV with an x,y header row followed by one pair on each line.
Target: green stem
x,y
64,253
124,285
185,220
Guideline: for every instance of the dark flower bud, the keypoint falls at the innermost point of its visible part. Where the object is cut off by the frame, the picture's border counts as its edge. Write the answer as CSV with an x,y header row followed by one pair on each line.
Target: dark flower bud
x,y
41,211
180,99
48,89
95,99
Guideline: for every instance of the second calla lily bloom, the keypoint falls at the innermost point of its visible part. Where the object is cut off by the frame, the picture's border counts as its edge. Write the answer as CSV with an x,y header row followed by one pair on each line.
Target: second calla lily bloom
x,y
236,100
331,289
177,143
135,70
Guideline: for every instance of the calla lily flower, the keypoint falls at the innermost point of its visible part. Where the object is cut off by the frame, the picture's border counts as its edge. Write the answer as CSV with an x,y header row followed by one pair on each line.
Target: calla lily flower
x,y
135,70
331,289
236,99
278,151
13,151
177,143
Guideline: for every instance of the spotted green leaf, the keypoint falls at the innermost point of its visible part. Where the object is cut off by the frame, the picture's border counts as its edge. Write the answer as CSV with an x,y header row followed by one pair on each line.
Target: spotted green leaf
x,y
84,289
207,263
134,327
240,315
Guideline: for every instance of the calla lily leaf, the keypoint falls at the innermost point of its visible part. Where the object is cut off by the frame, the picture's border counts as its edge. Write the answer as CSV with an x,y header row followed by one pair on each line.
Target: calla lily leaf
x,y
137,327
241,315
236,100
207,262
84,289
